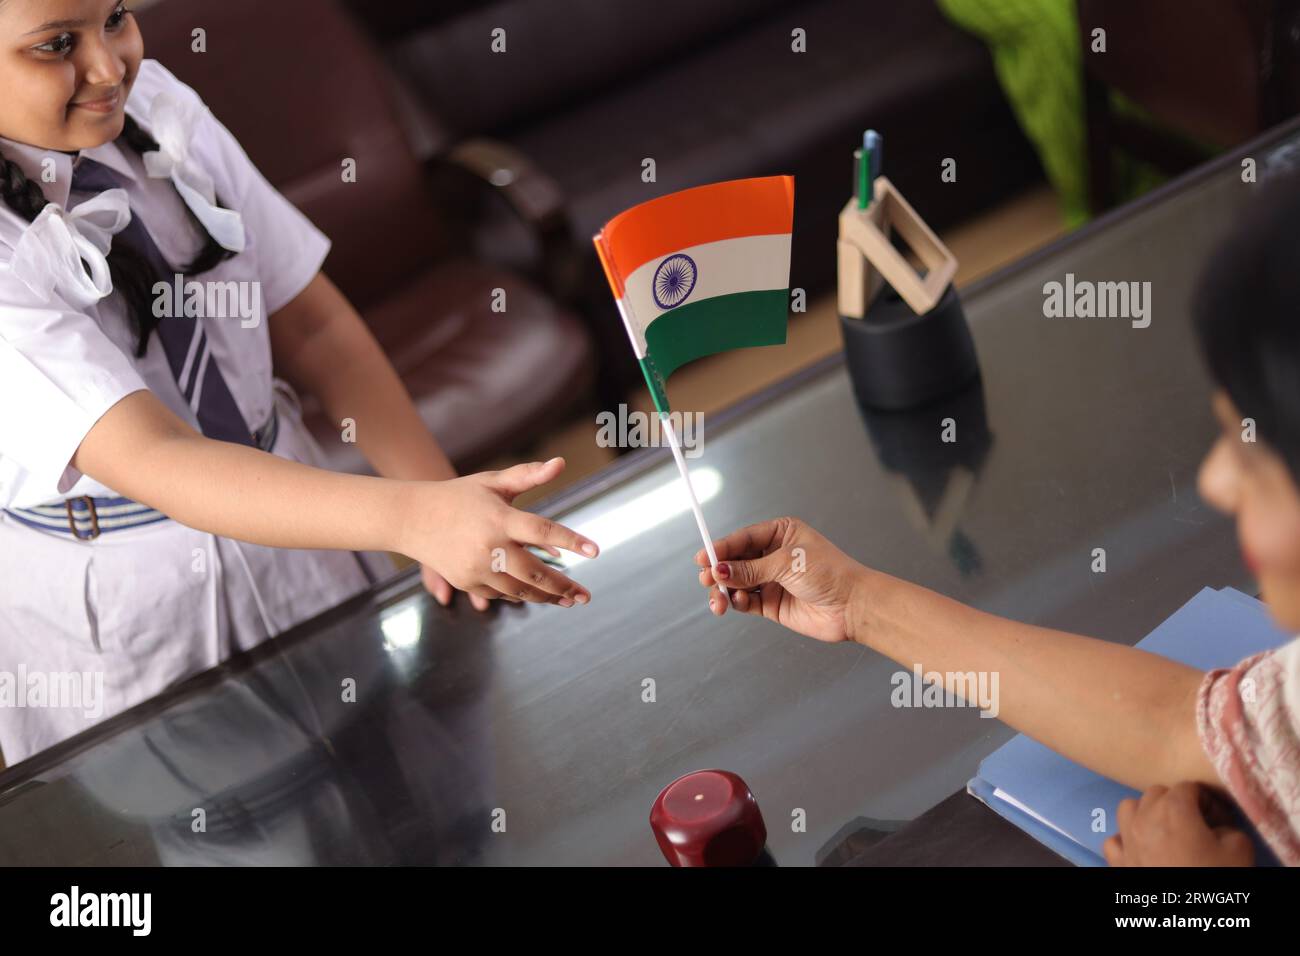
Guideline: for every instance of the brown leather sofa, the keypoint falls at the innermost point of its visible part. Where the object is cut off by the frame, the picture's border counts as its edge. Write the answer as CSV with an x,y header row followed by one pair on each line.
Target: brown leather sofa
x,y
711,90
302,88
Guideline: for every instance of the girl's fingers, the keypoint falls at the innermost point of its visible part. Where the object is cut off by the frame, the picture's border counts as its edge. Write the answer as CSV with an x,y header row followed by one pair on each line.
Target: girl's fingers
x,y
487,594
544,533
530,570
752,542
436,585
517,590
717,603
479,603
515,481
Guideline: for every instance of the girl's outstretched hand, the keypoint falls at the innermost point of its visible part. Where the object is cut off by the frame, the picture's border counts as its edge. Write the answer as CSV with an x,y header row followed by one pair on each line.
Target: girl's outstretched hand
x,y
788,573
442,590
466,535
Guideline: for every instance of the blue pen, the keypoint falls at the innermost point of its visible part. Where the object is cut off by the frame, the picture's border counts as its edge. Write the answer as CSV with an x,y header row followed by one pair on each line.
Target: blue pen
x,y
873,141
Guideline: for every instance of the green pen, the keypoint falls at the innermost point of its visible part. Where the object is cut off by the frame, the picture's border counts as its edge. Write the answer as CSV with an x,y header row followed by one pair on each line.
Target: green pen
x,y
862,184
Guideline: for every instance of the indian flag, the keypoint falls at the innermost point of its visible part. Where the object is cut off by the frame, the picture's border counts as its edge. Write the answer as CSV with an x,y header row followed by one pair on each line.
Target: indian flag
x,y
700,271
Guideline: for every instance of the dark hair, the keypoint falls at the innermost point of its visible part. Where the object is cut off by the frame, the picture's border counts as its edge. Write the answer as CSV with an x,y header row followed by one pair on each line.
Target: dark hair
x,y
1247,315
132,275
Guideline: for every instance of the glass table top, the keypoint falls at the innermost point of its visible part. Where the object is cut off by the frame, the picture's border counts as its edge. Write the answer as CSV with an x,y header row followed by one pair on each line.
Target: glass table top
x,y
531,736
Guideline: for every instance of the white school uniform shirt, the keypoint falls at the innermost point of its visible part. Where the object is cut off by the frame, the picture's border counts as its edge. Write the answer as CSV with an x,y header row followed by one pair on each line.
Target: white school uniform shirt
x,y
149,605
65,367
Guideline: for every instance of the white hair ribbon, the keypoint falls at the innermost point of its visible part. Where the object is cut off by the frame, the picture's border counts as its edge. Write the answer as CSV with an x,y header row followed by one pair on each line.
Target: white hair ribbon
x,y
172,125
50,253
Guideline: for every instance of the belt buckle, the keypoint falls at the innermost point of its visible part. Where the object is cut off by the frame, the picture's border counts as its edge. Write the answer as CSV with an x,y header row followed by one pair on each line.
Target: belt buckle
x,y
72,519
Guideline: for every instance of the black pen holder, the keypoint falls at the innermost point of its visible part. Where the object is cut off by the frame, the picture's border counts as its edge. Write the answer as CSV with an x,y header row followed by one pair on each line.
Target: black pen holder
x,y
898,359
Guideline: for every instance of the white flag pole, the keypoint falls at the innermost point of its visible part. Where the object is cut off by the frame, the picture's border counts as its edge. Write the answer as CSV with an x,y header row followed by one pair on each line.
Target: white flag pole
x,y
667,423
637,347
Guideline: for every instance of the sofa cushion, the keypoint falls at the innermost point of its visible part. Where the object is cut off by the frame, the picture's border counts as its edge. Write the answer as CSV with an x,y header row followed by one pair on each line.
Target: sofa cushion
x,y
482,380
299,116
557,52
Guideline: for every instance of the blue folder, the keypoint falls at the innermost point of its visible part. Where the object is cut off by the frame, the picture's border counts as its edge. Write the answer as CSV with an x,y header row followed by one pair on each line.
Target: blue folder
x,y
1213,629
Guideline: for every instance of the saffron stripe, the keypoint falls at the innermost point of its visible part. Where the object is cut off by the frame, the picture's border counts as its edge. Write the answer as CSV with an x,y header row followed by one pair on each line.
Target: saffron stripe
x,y
692,217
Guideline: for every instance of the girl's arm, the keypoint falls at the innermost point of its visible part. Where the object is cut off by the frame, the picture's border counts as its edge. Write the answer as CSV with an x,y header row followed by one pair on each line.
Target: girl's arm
x,y
321,346
464,528
1120,711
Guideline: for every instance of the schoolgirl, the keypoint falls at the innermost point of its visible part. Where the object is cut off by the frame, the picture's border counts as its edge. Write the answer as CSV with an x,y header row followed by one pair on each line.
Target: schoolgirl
x,y
162,507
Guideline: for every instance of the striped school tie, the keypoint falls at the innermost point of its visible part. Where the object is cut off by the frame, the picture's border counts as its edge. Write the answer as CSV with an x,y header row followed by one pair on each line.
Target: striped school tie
x,y
183,337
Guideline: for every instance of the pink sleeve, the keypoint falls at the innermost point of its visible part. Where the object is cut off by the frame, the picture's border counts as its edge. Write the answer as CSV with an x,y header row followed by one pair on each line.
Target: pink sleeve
x,y
1248,718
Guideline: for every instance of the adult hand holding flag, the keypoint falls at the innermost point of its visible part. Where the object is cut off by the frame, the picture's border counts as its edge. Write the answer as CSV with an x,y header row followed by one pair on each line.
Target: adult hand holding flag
x,y
696,272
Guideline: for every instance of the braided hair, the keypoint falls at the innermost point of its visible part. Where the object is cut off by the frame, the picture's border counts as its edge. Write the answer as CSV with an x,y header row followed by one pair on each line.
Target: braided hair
x,y
133,277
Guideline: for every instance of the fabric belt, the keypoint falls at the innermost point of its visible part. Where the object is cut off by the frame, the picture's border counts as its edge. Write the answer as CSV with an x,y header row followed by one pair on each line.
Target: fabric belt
x,y
86,518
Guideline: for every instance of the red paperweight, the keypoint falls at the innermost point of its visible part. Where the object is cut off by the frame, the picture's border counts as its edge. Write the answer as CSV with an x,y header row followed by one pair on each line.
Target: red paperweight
x,y
709,818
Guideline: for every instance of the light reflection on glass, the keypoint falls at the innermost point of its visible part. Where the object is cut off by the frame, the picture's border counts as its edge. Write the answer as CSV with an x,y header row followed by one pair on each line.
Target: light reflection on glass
x,y
401,626
623,522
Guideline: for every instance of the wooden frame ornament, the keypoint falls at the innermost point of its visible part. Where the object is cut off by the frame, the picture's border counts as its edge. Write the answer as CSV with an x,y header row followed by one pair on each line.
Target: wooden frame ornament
x,y
866,254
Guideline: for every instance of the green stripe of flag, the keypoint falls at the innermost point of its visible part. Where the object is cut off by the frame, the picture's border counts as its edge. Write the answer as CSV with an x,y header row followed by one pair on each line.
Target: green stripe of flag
x,y
717,324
